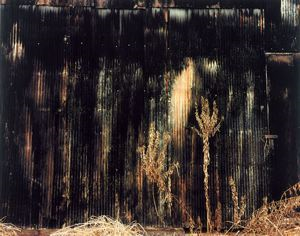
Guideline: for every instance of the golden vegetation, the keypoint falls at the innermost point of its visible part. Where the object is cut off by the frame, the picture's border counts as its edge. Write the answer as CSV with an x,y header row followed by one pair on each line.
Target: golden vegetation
x,y
239,205
277,218
7,229
209,123
154,163
102,225
218,210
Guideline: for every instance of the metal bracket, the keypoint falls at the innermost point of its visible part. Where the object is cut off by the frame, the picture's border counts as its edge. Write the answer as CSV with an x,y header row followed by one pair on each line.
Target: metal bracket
x,y
271,136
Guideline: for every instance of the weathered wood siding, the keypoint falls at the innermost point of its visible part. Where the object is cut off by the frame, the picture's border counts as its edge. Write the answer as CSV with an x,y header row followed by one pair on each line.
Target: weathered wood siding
x,y
79,88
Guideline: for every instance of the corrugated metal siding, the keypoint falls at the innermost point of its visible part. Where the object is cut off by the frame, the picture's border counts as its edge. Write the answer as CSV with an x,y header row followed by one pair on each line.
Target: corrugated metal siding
x,y
281,16
80,87
284,119
283,26
151,3
148,3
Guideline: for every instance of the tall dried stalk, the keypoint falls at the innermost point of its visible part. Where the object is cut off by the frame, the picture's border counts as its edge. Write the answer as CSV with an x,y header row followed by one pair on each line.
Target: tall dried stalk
x,y
154,163
209,123
239,206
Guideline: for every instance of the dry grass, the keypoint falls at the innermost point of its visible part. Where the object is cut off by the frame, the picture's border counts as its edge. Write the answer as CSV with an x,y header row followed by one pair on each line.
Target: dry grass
x,y
154,162
100,226
7,229
218,210
239,205
209,124
277,218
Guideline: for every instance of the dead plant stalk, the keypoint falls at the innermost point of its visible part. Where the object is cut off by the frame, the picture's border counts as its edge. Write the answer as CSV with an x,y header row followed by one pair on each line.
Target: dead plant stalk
x,y
239,205
154,164
209,124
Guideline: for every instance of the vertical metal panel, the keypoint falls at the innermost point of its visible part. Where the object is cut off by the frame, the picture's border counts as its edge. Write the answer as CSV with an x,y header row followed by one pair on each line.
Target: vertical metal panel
x,y
282,27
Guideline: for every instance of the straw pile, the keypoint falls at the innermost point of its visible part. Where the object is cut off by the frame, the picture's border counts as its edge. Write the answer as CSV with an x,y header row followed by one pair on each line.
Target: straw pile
x,y
8,229
278,218
102,225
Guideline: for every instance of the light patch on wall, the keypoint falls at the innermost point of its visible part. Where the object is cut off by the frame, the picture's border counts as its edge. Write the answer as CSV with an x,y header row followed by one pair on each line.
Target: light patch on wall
x,y
261,23
28,136
250,96
17,51
213,12
289,12
43,2
155,11
101,3
27,149
156,3
227,12
210,66
38,88
285,94
17,48
64,85
257,12
103,13
104,114
230,96
250,100
181,100
127,13
180,15
240,155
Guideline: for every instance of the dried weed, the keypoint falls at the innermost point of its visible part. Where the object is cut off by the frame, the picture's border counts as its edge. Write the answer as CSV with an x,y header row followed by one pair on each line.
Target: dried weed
x,y
102,225
154,163
277,218
209,124
239,205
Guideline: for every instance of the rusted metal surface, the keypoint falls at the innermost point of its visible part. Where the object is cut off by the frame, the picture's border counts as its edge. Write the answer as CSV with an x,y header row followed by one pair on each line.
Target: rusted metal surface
x,y
80,87
152,3
286,6
281,16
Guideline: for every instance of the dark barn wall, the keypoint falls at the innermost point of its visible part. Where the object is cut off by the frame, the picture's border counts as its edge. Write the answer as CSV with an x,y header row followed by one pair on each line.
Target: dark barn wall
x,y
283,86
80,86
150,3
281,16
